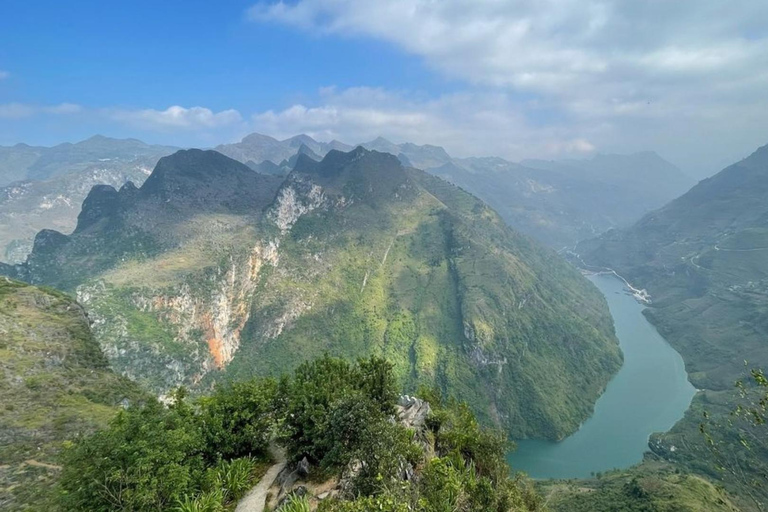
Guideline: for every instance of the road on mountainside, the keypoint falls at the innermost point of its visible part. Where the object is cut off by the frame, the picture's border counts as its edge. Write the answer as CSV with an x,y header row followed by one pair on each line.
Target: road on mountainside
x,y
256,498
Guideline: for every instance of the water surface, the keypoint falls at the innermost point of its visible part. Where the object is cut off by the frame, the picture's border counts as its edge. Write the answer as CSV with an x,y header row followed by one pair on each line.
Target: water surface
x,y
648,394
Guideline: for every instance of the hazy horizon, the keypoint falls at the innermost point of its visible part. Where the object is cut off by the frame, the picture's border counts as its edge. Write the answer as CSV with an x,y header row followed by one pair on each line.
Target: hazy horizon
x,y
519,80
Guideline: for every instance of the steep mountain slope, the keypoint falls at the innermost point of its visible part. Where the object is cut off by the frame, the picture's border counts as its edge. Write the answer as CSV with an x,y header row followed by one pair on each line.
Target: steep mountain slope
x,y
209,271
704,260
28,206
55,384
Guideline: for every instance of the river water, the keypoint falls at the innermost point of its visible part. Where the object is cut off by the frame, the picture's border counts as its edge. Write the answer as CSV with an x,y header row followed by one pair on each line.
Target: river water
x,y
648,394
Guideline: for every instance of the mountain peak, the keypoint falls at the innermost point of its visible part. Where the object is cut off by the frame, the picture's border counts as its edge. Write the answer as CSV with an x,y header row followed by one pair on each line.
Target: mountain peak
x,y
301,140
254,138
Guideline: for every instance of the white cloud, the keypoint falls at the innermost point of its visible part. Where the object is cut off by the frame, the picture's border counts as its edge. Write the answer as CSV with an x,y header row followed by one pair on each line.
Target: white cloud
x,y
176,118
23,110
493,123
618,73
466,124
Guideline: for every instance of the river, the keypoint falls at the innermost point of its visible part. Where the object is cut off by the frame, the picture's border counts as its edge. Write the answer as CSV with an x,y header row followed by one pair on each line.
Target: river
x,y
648,394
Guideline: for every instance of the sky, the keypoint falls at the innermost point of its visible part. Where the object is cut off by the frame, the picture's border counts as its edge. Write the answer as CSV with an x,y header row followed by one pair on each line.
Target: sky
x,y
512,78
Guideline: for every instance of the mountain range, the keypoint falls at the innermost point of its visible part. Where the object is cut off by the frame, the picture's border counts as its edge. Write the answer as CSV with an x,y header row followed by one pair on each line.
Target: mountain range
x,y
210,271
558,203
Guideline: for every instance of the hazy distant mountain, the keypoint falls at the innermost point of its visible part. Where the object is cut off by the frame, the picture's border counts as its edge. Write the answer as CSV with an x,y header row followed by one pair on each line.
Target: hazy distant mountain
x,y
557,202
49,184
22,162
256,149
422,157
561,203
211,271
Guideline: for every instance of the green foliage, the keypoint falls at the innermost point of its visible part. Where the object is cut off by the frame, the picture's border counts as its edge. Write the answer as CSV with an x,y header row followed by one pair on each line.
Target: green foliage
x,y
181,457
295,503
152,457
148,459
366,504
327,404
211,501
236,419
233,477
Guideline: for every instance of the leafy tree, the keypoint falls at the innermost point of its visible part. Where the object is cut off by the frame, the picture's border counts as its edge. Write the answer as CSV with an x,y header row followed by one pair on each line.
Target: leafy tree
x,y
237,419
147,459
328,403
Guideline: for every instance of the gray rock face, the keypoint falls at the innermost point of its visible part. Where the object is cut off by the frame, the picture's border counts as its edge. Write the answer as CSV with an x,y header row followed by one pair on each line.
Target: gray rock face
x,y
413,412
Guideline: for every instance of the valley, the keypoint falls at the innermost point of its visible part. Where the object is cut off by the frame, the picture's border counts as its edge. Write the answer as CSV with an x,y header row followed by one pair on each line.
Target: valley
x,y
212,272
649,394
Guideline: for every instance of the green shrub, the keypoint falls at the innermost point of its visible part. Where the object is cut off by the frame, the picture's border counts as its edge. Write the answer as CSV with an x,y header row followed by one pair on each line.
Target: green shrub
x,y
328,390
149,458
236,419
212,501
295,503
234,477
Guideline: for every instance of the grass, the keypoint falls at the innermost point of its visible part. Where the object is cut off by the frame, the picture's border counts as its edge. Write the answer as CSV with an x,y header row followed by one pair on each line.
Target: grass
x,y
55,385
651,487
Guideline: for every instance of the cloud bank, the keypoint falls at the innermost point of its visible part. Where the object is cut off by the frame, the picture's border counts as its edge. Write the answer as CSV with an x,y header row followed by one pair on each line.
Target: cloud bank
x,y
176,118
623,75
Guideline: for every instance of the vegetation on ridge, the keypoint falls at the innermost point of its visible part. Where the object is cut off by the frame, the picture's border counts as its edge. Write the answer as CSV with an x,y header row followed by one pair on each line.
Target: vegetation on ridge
x,y
337,415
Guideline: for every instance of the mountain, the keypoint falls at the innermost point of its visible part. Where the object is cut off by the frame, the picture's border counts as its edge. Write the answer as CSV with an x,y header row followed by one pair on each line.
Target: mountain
x,y
49,184
210,271
560,203
257,149
703,258
22,162
422,157
56,384
556,202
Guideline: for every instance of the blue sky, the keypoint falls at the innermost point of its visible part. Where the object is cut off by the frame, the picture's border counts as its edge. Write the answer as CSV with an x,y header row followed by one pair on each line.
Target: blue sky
x,y
520,78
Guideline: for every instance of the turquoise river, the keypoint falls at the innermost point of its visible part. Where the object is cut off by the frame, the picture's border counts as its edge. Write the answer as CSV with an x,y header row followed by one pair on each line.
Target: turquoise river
x,y
649,394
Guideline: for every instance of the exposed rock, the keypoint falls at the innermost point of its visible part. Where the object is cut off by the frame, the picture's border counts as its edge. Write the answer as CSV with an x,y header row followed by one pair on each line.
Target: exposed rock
x,y
413,412
296,198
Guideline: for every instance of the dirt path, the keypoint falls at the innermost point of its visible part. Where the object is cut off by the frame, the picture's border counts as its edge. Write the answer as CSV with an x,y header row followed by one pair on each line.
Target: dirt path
x,y
256,498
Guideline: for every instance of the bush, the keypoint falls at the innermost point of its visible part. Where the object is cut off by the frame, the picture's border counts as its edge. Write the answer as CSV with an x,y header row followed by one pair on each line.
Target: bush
x,y
148,459
330,390
212,501
233,478
237,418
295,503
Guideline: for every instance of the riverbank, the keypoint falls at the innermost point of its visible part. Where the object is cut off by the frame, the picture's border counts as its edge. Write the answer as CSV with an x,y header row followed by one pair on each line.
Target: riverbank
x,y
650,393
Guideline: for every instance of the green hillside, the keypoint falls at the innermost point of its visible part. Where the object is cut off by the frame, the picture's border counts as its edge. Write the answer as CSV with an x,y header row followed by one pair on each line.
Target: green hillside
x,y
55,384
213,272
704,260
